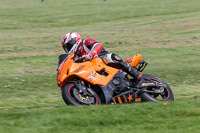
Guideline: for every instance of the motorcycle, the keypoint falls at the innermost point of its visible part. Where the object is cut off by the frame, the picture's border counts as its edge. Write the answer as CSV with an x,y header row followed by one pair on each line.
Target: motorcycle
x,y
93,82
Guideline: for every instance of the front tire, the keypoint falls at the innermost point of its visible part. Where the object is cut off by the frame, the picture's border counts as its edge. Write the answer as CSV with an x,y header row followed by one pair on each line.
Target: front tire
x,y
166,95
71,96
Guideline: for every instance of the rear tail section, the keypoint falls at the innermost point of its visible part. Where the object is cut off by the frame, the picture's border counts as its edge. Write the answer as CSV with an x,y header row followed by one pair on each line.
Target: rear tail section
x,y
135,60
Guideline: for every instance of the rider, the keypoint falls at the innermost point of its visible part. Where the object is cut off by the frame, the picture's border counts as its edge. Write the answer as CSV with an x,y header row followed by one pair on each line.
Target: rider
x,y
91,48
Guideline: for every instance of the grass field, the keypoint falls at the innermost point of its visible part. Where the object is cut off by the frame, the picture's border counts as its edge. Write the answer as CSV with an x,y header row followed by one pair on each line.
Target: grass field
x,y
165,32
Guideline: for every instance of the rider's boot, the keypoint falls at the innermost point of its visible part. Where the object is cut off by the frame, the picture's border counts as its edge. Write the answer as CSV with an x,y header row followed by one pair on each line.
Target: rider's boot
x,y
131,71
126,67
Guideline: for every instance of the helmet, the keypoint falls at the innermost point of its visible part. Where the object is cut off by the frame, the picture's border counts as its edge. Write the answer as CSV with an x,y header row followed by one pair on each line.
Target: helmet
x,y
69,40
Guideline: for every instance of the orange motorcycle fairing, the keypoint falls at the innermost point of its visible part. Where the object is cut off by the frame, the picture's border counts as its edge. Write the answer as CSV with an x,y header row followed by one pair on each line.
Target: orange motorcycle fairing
x,y
93,83
90,71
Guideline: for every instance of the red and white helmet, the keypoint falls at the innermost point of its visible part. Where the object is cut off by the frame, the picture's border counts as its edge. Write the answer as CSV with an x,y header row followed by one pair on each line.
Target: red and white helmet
x,y
69,40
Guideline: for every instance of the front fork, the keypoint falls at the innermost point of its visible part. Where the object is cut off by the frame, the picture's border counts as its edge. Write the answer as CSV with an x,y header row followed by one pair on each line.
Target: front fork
x,y
82,89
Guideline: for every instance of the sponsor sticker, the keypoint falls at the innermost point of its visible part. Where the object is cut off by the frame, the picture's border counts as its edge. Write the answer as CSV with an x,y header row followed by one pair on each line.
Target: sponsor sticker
x,y
128,98
79,68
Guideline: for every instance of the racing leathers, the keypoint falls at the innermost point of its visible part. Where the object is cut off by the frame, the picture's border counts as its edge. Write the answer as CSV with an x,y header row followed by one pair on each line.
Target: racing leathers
x,y
91,48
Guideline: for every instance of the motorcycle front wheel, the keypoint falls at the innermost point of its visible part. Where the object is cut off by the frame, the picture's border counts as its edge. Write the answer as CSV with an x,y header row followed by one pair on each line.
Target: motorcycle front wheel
x,y
165,93
71,96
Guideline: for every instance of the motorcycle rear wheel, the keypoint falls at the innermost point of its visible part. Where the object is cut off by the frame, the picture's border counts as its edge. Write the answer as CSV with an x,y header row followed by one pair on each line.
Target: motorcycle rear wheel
x,y
166,95
71,96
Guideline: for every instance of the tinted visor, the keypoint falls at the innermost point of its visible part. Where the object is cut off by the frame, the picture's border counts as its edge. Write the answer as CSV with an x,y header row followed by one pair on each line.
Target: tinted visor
x,y
70,44
67,47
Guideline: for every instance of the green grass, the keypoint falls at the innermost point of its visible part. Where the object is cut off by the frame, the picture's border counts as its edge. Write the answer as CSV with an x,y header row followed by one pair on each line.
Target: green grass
x,y
140,117
166,33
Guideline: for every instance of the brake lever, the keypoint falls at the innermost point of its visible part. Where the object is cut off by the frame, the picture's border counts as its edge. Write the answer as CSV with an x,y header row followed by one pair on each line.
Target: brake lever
x,y
78,60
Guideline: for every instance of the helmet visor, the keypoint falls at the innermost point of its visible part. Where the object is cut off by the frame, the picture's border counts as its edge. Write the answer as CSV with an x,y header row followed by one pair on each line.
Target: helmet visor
x,y
67,47
73,49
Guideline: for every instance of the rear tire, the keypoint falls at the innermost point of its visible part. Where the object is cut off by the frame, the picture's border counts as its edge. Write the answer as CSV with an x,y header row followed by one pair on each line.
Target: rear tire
x,y
166,95
71,96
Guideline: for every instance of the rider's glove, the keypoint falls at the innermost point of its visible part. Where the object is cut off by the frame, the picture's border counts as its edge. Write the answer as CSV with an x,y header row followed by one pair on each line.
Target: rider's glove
x,y
87,57
90,55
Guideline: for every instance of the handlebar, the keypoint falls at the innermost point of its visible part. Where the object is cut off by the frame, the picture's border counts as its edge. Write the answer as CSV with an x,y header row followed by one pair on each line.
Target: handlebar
x,y
79,60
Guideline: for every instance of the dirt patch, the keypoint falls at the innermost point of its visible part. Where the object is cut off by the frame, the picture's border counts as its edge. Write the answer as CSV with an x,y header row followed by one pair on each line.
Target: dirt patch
x,y
180,23
148,43
31,54
197,98
29,47
157,45
28,71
